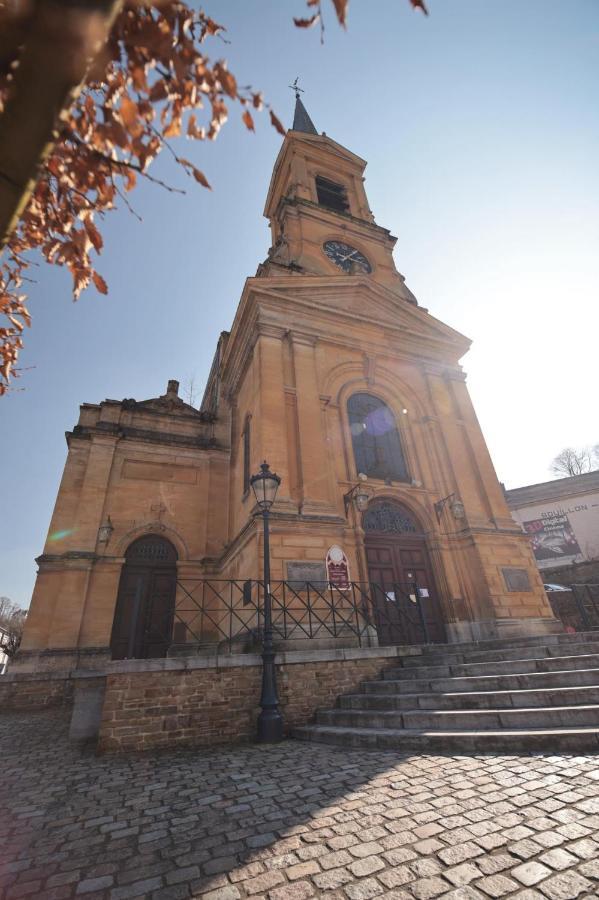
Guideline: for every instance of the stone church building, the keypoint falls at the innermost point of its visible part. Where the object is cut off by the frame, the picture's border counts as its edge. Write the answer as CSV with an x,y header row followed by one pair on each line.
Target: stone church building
x,y
331,370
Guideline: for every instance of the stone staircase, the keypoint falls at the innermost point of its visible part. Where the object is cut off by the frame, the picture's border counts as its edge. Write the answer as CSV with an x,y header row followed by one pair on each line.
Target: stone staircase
x,y
527,694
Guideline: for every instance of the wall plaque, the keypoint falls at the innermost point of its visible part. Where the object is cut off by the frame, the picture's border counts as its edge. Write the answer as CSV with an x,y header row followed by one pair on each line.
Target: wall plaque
x,y
337,568
300,573
516,579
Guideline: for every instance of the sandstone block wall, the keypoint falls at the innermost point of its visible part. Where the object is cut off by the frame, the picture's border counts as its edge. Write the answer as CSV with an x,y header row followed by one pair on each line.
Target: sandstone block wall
x,y
34,691
206,706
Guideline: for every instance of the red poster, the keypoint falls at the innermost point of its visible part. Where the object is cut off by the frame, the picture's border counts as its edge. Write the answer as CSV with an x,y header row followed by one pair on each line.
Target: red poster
x,y
337,568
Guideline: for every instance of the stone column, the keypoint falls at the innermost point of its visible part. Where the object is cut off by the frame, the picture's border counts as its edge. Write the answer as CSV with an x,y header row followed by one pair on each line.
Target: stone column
x,y
269,426
313,449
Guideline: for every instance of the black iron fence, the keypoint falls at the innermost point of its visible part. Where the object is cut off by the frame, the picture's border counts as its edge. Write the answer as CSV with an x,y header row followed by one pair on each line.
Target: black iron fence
x,y
228,614
577,607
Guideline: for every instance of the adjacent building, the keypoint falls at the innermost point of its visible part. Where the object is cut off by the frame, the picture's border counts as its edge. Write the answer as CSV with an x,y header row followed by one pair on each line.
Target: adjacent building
x,y
562,519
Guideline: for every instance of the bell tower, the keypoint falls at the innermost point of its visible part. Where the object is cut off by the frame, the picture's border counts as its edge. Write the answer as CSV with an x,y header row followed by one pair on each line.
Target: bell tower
x,y
320,219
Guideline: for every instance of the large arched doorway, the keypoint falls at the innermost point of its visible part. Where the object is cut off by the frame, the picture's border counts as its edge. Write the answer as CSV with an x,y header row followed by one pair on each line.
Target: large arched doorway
x,y
398,559
143,619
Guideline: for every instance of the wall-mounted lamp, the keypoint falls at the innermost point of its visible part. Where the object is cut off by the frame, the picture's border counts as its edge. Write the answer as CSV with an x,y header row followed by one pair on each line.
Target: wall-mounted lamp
x,y
456,506
359,493
105,531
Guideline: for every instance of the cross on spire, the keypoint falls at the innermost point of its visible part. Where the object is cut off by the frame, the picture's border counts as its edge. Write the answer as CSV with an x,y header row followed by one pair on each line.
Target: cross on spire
x,y
301,119
295,87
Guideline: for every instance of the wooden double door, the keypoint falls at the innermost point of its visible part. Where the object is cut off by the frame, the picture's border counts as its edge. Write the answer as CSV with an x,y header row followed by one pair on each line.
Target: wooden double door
x,y
406,605
145,607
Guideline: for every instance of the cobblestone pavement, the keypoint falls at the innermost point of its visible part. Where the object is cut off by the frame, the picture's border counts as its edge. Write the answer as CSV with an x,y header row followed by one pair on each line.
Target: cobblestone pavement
x,y
293,821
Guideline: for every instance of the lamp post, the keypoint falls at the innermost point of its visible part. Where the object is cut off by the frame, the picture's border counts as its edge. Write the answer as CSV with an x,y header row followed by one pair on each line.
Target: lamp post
x,y
270,721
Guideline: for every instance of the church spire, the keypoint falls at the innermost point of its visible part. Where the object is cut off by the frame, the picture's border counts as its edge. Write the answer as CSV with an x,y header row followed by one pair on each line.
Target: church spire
x,y
301,119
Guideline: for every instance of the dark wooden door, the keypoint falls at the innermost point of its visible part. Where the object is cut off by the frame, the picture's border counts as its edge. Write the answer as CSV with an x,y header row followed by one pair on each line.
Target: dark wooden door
x,y
398,565
143,620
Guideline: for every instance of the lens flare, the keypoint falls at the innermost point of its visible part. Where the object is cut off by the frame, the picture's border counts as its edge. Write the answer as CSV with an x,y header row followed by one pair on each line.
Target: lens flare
x,y
59,535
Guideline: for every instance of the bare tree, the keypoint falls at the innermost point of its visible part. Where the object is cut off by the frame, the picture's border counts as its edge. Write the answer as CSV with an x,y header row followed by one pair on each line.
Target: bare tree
x,y
572,461
12,621
189,389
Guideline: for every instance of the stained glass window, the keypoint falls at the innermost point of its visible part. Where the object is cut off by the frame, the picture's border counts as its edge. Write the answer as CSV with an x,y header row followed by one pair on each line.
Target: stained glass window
x,y
375,438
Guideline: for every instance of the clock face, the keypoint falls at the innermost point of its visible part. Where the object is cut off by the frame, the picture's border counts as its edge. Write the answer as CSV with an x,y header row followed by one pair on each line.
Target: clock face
x,y
347,258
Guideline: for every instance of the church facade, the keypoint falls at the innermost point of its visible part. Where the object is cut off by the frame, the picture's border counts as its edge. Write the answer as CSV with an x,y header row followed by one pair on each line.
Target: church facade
x,y
334,374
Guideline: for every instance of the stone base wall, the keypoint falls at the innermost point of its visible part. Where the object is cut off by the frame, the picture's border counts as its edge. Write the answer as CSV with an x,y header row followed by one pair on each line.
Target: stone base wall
x,y
205,706
35,691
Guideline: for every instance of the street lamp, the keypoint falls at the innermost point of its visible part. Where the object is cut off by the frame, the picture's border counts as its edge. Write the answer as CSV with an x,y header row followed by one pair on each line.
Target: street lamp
x,y
359,493
270,721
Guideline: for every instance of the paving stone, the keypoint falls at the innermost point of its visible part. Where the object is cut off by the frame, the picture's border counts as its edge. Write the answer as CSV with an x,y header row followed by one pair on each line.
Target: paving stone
x,y
461,852
530,872
242,873
175,876
426,888
395,877
363,890
225,893
302,870
466,893
137,889
334,860
590,869
558,859
463,874
297,891
496,862
366,866
263,882
424,867
94,884
290,821
565,886
367,849
173,892
334,878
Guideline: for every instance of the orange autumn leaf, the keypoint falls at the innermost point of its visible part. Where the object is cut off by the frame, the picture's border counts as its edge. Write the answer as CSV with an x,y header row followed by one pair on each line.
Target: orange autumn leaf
x,y
100,284
199,176
341,10
274,120
248,121
306,23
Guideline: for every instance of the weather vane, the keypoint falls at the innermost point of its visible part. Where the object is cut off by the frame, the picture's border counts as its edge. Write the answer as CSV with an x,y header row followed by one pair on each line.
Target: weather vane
x,y
295,87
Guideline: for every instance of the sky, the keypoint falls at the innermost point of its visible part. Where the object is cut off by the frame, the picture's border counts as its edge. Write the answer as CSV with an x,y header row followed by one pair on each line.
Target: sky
x,y
480,125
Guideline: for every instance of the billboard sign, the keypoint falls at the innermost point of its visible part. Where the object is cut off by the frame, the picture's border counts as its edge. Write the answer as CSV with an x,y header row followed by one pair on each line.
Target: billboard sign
x,y
553,540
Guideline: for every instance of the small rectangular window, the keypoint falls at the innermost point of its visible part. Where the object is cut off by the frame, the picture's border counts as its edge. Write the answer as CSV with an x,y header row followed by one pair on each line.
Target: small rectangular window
x,y
331,195
246,455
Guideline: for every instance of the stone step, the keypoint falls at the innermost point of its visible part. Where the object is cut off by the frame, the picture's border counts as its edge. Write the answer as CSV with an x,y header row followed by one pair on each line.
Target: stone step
x,y
548,640
462,720
449,657
515,699
522,681
508,667
554,740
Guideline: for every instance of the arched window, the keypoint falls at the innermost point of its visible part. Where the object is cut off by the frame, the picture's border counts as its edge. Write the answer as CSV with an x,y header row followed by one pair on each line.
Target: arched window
x,y
375,439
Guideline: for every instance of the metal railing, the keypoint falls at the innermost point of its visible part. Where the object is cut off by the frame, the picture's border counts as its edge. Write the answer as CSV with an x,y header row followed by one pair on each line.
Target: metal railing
x,y
577,606
229,614
586,597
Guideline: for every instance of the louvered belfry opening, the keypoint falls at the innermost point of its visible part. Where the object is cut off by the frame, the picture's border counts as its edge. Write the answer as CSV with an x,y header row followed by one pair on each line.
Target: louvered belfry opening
x,y
331,194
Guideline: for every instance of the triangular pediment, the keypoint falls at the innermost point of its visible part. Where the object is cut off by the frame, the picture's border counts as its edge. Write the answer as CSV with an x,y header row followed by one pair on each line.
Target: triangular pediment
x,y
358,300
